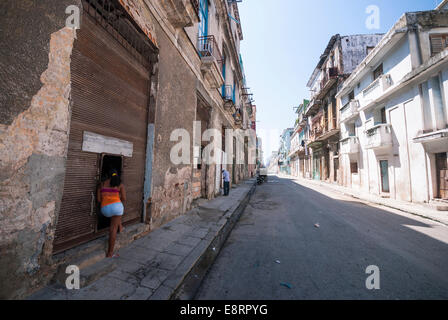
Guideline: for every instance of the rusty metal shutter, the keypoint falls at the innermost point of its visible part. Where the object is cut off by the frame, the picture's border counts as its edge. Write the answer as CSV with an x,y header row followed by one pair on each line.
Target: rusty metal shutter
x,y
438,44
110,97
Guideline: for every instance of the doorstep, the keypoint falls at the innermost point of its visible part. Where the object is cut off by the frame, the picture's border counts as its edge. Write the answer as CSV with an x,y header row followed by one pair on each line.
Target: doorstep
x,y
168,263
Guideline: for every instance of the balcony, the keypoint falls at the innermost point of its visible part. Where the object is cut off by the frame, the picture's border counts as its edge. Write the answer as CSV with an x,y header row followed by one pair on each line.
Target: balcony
x,y
329,129
238,118
301,121
435,141
181,13
315,133
313,107
211,61
349,112
379,136
329,79
228,95
349,145
377,88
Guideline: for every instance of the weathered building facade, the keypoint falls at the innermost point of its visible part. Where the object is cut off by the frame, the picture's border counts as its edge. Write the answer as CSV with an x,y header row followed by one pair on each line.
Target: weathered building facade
x,y
394,120
76,102
284,151
340,58
299,153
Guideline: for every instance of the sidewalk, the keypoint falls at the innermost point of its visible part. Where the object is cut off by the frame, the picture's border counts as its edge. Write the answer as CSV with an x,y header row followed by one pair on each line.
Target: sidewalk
x,y
422,210
168,263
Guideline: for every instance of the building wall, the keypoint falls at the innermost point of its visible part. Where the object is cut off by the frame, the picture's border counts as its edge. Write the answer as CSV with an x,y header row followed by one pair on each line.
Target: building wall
x,y
410,111
354,49
34,122
172,184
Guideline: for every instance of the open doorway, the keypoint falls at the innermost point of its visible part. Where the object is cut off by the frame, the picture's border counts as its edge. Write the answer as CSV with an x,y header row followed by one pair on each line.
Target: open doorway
x,y
108,162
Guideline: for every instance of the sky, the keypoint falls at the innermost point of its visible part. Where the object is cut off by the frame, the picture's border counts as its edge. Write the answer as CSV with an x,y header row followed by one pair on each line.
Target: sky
x,y
283,40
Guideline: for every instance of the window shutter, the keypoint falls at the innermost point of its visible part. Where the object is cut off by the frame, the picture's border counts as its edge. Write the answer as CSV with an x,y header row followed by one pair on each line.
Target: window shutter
x,y
437,45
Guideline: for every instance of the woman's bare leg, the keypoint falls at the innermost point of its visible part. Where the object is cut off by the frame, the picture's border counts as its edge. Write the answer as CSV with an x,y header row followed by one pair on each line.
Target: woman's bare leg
x,y
114,224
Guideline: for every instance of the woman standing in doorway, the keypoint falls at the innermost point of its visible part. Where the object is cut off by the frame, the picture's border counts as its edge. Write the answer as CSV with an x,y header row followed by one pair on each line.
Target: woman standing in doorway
x,y
112,196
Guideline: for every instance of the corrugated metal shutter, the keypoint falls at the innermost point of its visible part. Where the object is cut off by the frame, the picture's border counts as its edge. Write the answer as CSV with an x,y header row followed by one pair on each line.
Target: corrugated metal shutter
x,y
110,97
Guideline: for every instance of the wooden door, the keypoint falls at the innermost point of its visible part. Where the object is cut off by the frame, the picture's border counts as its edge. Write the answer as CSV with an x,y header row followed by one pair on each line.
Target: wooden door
x,y
442,175
384,168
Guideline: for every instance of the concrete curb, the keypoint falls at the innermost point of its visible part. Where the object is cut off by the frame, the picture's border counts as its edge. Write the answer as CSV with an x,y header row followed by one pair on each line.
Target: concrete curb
x,y
186,279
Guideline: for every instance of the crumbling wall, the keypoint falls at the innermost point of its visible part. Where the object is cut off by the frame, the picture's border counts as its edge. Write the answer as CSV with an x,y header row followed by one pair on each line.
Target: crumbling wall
x,y
34,124
354,49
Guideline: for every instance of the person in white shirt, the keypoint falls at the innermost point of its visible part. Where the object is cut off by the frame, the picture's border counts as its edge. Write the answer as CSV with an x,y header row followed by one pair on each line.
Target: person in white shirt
x,y
226,177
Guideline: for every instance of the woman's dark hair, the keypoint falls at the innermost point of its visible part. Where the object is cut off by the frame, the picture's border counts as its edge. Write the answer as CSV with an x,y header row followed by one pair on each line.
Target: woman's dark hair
x,y
115,180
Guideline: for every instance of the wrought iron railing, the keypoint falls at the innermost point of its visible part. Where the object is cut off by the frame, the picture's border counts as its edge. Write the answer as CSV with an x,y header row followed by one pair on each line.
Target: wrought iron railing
x,y
228,93
332,73
316,131
330,124
208,47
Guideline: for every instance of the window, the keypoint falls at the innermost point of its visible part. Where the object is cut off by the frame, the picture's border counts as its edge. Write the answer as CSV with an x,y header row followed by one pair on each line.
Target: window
x,y
203,16
383,115
378,72
351,96
438,43
369,49
354,167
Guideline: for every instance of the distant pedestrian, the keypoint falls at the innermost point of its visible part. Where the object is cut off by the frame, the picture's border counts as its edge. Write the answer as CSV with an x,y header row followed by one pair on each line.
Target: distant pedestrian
x,y
112,196
226,178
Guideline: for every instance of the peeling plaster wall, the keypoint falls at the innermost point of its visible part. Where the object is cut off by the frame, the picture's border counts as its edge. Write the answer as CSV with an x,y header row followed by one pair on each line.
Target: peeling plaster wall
x,y
34,124
354,49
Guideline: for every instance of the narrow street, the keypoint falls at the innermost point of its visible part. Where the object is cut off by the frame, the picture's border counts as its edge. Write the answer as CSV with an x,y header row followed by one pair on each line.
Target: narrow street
x,y
276,251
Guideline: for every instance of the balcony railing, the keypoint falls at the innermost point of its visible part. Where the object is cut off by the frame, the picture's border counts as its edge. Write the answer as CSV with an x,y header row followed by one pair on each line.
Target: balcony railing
x,y
316,132
379,136
313,106
377,87
330,124
228,93
349,145
349,111
238,117
331,74
208,47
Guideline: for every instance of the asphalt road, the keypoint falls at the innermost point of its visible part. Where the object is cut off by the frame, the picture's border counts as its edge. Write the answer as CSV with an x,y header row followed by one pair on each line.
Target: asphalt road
x,y
276,251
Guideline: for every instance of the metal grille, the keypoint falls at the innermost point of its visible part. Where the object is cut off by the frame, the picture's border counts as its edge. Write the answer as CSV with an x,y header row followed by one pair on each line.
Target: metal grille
x,y
208,47
117,22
